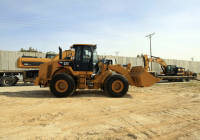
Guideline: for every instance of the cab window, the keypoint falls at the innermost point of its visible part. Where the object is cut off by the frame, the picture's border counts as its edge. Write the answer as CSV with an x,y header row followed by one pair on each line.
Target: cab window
x,y
87,54
78,54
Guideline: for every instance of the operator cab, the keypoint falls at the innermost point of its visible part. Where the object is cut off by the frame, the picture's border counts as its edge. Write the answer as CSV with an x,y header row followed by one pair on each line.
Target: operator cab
x,y
85,57
50,55
171,70
174,70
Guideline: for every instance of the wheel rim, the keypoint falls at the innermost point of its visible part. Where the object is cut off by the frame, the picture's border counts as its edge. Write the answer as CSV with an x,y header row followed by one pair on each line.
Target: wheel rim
x,y
117,86
7,81
61,86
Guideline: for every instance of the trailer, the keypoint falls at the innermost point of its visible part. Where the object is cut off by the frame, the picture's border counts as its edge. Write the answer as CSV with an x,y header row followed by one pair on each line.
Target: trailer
x,y
169,72
10,73
177,78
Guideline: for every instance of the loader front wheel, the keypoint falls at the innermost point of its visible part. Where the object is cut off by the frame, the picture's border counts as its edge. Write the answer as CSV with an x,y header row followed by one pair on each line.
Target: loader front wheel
x,y
116,86
62,85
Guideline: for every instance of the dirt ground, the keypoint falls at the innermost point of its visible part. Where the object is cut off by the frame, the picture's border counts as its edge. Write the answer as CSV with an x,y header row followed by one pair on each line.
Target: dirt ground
x,y
163,111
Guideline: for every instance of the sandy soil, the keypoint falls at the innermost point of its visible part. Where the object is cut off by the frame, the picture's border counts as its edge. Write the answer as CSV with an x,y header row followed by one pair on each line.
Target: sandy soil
x,y
164,111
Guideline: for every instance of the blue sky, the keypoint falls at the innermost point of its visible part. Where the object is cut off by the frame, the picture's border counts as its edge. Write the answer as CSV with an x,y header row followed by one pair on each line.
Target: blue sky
x,y
114,25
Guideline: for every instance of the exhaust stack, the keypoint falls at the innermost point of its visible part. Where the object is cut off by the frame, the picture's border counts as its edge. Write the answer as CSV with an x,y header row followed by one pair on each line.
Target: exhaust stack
x,y
60,52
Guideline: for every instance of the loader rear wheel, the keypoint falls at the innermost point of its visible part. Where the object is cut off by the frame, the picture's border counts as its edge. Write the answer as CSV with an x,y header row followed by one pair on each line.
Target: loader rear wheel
x,y
116,86
62,85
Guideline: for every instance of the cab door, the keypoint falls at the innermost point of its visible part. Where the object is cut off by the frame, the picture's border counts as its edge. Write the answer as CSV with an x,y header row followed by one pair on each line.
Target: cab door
x,y
83,59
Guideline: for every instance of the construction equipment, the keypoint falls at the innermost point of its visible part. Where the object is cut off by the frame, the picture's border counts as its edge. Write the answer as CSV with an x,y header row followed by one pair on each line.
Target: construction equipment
x,y
10,73
25,65
85,71
31,62
169,72
34,62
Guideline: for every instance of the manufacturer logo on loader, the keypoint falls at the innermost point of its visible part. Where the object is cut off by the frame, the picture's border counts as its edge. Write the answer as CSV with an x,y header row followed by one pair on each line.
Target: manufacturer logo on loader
x,y
63,63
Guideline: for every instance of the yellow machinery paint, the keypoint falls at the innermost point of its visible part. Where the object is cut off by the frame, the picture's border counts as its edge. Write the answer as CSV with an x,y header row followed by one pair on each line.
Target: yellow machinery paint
x,y
113,79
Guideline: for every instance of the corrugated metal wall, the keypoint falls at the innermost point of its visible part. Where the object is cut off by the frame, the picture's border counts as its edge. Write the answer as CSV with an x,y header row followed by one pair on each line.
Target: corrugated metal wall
x,y
8,61
193,66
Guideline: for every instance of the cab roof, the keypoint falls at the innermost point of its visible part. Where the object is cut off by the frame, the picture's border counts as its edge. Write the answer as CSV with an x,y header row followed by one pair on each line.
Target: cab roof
x,y
78,45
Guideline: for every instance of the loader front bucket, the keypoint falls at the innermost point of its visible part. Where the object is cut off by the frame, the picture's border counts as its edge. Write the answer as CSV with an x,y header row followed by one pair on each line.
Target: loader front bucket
x,y
142,78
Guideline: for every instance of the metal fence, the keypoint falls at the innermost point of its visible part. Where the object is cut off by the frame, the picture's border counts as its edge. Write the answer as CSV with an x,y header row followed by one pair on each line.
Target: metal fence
x,y
193,66
8,61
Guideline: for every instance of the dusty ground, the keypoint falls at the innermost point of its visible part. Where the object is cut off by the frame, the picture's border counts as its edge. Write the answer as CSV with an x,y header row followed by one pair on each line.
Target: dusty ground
x,y
164,111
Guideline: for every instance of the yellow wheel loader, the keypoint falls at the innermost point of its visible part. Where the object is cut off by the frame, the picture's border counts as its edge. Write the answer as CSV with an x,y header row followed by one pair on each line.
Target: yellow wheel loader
x,y
85,71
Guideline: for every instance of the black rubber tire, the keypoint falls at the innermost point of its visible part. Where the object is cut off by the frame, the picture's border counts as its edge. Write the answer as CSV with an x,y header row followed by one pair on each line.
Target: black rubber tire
x,y
8,81
68,79
108,85
1,81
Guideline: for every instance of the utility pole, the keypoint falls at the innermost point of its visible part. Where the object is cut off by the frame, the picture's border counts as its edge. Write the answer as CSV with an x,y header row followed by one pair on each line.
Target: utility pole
x,y
150,36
